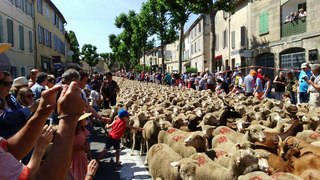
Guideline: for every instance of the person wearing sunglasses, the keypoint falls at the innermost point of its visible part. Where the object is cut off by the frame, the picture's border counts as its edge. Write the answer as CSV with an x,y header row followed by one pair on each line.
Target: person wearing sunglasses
x,y
25,97
13,116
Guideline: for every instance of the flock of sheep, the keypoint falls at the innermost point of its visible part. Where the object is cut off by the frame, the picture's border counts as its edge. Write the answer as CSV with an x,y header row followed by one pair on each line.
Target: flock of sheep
x,y
195,135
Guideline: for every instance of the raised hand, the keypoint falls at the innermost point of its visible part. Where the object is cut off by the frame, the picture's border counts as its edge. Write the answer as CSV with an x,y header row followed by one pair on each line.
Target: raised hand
x,y
48,100
70,103
44,139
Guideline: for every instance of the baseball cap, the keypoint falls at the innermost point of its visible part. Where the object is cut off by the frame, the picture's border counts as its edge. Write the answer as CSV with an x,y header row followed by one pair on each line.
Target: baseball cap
x,y
20,81
123,113
304,65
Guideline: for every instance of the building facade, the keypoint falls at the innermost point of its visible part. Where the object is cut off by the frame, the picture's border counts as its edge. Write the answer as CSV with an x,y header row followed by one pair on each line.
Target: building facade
x,y
199,43
16,28
50,38
232,41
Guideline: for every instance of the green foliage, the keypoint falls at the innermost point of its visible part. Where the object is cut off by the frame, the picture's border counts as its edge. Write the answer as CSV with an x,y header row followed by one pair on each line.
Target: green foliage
x,y
74,46
90,55
191,70
139,68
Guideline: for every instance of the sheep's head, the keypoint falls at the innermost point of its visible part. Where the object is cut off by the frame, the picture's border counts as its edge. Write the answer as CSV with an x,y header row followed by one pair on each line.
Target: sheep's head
x,y
186,167
255,133
198,140
241,124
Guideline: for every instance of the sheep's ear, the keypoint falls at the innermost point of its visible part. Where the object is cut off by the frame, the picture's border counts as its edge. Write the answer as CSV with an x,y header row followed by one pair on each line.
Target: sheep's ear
x,y
175,164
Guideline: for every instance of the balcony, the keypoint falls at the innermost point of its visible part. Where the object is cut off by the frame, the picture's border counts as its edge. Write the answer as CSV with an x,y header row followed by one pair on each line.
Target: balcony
x,y
294,27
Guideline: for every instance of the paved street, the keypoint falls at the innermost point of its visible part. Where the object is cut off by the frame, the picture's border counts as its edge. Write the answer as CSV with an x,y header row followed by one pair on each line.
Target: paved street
x,y
132,166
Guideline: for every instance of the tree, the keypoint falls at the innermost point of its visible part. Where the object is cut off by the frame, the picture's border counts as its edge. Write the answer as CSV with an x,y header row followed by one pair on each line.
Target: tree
x,y
180,14
109,59
210,7
74,46
90,55
160,24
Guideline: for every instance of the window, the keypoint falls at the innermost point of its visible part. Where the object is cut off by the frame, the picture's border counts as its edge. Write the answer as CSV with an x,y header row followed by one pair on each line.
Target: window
x,y
47,12
199,27
23,5
29,8
195,47
40,6
1,30
21,37
225,38
199,45
30,42
264,23
22,71
18,4
191,48
242,36
41,35
233,39
10,34
217,42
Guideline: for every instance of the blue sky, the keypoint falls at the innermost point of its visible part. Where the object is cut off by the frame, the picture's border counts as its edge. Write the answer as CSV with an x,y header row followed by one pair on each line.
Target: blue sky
x,y
93,20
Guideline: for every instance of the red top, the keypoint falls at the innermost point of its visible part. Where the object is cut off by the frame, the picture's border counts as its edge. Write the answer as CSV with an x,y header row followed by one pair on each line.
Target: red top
x,y
118,128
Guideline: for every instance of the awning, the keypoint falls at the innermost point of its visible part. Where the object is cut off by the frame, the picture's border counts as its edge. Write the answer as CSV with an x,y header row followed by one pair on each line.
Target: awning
x,y
218,57
5,62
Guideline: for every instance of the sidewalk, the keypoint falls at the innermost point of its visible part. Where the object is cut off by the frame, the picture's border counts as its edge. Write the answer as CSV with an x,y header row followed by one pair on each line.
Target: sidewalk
x,y
132,166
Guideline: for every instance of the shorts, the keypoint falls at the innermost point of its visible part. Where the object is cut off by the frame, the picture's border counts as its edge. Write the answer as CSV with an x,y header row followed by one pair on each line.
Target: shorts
x,y
112,143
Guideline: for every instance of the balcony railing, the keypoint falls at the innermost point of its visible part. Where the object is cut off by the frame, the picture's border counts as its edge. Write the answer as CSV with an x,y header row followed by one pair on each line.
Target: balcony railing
x,y
294,27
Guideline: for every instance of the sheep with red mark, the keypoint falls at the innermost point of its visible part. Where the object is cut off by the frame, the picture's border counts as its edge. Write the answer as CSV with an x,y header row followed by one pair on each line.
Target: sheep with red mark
x,y
165,163
309,136
241,162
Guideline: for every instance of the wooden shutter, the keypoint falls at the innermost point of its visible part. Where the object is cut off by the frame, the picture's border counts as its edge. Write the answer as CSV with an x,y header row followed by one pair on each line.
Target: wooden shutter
x,y
243,35
30,42
21,37
233,39
10,32
264,23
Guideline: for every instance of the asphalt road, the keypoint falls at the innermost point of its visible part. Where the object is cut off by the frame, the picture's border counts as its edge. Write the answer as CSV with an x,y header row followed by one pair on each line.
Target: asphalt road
x,y
132,166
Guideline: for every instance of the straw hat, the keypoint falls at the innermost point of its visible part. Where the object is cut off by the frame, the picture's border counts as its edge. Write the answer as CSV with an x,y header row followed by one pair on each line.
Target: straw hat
x,y
4,47
84,116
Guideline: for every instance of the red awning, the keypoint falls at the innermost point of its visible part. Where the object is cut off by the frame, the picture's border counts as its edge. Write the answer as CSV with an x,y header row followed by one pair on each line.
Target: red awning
x,y
218,57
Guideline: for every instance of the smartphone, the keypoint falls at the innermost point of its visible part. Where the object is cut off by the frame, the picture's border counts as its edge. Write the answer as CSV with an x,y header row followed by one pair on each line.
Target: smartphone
x,y
305,78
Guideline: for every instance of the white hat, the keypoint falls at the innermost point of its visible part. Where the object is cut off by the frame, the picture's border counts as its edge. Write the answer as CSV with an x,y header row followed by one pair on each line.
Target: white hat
x,y
20,81
314,66
304,65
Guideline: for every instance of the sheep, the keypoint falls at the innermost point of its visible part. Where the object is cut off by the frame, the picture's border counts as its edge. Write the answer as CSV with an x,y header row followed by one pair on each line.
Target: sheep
x,y
165,163
285,176
137,121
257,175
241,162
309,136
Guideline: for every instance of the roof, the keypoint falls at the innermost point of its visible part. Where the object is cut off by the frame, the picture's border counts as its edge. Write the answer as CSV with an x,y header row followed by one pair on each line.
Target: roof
x,y
55,9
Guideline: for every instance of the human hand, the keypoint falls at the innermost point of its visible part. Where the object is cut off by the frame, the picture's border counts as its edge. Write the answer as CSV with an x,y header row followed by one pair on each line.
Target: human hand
x,y
105,120
92,168
48,100
70,103
33,107
45,138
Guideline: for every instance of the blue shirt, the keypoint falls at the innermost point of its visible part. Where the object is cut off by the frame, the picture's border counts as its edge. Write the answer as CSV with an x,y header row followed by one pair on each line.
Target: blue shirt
x,y
259,83
303,85
12,119
37,89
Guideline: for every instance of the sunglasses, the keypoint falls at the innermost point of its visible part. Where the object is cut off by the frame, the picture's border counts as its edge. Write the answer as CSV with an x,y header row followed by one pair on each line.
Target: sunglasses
x,y
52,81
30,96
8,84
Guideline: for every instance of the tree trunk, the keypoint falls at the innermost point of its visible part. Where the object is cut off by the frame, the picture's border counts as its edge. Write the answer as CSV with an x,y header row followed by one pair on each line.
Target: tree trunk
x,y
162,58
180,46
144,59
213,13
